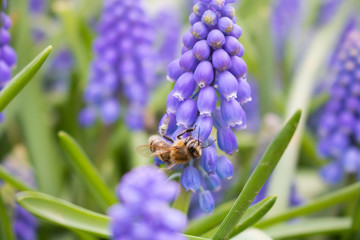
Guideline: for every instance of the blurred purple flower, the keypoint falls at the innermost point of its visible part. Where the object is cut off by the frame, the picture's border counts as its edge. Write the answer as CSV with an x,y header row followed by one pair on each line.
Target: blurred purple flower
x,y
327,10
37,6
7,53
210,72
123,67
339,124
144,212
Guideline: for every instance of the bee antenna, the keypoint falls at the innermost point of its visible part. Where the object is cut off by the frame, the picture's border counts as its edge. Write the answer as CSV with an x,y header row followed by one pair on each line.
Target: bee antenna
x,y
199,136
209,144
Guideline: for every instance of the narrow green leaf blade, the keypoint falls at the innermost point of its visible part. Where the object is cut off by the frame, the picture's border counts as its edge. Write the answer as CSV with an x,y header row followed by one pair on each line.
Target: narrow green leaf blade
x,y
5,226
254,214
182,202
18,82
64,213
87,171
343,195
252,234
310,227
258,177
15,182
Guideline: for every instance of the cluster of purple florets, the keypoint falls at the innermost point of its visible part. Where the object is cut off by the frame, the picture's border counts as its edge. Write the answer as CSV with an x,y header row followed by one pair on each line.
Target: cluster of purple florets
x,y
123,65
339,126
7,54
144,212
210,71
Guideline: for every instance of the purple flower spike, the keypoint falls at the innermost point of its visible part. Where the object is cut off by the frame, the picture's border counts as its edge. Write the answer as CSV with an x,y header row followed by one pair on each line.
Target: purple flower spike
x,y
206,101
87,117
208,159
204,74
174,70
171,127
352,160
184,86
236,32
206,126
332,173
224,168
110,111
8,55
218,4
199,30
228,85
232,112
193,18
201,50
226,140
221,60
212,182
228,11
226,25
5,72
206,201
190,179
172,103
199,8
243,93
238,67
187,113
216,39
209,18
188,62
189,40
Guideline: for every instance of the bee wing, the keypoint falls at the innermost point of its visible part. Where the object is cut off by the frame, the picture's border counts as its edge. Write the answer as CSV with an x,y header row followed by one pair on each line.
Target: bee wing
x,y
164,149
170,169
144,150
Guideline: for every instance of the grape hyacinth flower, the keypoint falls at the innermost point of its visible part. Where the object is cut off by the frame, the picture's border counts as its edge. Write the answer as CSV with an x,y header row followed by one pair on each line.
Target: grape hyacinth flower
x,y
327,10
144,212
7,53
123,67
210,72
339,125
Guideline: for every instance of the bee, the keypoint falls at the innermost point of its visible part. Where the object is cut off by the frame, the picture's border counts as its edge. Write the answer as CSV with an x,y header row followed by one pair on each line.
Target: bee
x,y
172,152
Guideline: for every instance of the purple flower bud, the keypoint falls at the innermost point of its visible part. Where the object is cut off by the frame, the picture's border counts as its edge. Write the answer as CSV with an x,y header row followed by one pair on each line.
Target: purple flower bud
x,y
244,91
189,40
110,111
218,120
134,118
174,70
206,101
184,86
226,140
204,126
212,182
218,4
209,18
351,160
228,11
238,67
190,179
184,50
232,45
171,126
332,173
208,159
204,74
172,103
206,200
87,117
2,118
216,39
236,32
4,36
201,50
5,72
228,85
8,55
5,20
226,25
221,60
224,167
188,62
193,18
200,30
186,113
232,112
199,8
158,162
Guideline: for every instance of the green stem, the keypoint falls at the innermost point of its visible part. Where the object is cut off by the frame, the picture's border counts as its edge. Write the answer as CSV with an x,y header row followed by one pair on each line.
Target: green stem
x,y
5,223
15,182
182,202
340,196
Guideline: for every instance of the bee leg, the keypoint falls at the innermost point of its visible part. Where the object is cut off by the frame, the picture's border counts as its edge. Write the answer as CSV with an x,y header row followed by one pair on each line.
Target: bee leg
x,y
189,130
168,138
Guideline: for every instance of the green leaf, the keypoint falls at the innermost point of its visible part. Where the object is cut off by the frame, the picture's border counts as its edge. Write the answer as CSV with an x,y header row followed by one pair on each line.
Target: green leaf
x,y
64,213
5,226
18,82
87,171
69,215
254,214
258,177
15,182
182,202
343,195
303,83
252,234
309,227
356,220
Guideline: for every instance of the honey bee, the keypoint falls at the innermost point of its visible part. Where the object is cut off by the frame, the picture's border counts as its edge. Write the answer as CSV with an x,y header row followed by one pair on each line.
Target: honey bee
x,y
174,152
